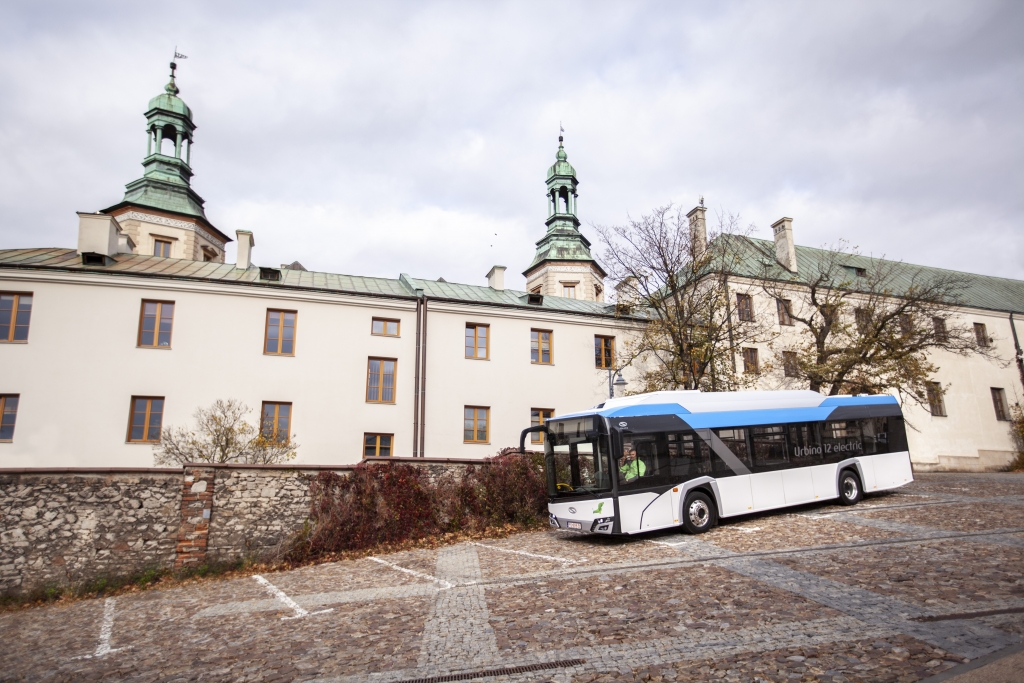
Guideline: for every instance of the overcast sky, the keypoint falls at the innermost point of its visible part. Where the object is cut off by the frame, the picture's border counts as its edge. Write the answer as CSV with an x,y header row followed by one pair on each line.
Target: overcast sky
x,y
380,138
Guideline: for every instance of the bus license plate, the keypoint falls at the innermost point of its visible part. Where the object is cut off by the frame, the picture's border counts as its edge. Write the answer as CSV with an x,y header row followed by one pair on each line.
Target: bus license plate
x,y
574,525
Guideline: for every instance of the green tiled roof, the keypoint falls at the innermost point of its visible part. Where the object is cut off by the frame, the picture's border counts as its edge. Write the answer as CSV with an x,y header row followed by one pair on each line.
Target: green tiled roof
x,y
983,291
404,287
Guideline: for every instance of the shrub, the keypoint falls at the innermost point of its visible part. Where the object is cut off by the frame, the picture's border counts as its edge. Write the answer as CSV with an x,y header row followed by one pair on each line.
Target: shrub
x,y
386,503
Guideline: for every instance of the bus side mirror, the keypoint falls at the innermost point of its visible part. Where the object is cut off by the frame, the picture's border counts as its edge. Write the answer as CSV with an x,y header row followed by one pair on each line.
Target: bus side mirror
x,y
531,430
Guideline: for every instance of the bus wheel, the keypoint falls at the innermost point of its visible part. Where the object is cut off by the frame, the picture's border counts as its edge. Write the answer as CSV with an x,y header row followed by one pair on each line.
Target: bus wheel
x,y
698,513
849,488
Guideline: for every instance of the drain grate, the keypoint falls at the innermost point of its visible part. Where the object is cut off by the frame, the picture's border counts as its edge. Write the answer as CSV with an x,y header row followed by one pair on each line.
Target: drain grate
x,y
526,668
972,615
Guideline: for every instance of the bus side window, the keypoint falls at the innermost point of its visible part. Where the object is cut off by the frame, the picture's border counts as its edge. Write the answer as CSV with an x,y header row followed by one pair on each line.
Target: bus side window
x,y
736,441
769,447
876,435
804,447
841,440
897,431
688,456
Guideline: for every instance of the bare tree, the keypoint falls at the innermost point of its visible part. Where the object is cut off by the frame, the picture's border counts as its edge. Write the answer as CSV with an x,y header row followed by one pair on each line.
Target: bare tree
x,y
222,435
669,268
871,327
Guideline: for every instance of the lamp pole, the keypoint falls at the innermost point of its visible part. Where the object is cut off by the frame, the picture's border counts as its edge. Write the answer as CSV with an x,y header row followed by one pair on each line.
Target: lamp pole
x,y
619,382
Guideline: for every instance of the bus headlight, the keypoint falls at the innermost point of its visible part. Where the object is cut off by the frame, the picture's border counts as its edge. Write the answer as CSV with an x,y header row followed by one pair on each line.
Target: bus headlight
x,y
602,525
552,520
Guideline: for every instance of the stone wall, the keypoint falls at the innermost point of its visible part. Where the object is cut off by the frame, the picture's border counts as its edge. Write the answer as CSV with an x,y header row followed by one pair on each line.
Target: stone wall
x,y
67,526
77,525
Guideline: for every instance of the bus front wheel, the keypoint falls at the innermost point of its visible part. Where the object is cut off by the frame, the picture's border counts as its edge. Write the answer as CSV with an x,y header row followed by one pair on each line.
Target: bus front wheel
x,y
698,513
850,491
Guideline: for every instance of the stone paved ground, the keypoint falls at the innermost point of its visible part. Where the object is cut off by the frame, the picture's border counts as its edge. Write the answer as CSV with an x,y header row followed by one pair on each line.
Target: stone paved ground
x,y
898,588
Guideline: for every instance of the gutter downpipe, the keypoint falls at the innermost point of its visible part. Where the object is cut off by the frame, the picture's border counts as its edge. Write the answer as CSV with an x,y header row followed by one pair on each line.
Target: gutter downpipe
x,y
1020,354
423,384
416,388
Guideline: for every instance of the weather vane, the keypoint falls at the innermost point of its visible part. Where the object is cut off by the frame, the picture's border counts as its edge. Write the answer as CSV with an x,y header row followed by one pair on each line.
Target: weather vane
x,y
178,55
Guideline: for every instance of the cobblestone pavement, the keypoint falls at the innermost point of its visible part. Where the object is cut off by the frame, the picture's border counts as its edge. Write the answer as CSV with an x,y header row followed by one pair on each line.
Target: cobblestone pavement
x,y
898,588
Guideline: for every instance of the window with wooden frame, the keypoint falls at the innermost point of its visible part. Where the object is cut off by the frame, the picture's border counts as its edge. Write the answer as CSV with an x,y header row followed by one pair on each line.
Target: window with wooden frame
x,y
377,445
380,380
15,314
8,416
478,341
745,307
785,307
999,403
536,290
939,326
540,347
981,334
156,321
475,424
538,416
936,404
750,365
604,352
276,421
790,364
906,324
146,419
280,336
385,327
862,317
162,248
569,289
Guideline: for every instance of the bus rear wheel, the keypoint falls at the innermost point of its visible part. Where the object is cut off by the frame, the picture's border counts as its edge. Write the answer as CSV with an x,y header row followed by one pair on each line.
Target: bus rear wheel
x,y
850,491
698,513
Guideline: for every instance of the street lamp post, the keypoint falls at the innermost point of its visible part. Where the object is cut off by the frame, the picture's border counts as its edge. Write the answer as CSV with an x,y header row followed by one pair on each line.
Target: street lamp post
x,y
619,383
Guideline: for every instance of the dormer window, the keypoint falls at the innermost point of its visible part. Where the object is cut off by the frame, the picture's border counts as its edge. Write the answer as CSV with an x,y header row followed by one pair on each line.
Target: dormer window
x,y
855,271
271,274
535,299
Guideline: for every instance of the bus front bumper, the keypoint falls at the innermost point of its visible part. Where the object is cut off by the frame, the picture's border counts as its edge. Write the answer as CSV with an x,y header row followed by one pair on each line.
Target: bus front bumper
x,y
602,525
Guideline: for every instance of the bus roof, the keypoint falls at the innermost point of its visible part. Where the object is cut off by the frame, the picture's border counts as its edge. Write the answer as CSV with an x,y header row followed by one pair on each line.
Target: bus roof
x,y
740,408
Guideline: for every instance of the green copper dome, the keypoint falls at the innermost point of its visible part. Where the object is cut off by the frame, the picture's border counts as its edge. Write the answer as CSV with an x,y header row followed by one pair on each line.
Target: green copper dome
x,y
169,100
562,166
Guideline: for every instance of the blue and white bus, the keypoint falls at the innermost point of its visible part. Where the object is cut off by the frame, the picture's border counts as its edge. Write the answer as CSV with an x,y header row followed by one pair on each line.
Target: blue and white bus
x,y
671,458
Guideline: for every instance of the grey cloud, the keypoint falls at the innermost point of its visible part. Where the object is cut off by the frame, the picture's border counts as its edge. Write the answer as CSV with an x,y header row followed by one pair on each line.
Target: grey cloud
x,y
387,137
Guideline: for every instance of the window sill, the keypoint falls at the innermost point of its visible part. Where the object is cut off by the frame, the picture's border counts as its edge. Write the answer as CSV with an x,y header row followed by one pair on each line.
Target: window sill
x,y
474,358
389,336
142,443
380,403
14,341
155,348
476,443
279,355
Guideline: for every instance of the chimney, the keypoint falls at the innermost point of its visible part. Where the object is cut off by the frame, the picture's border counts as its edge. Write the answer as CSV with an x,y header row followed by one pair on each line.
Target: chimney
x,y
496,278
785,249
98,233
245,244
125,244
698,230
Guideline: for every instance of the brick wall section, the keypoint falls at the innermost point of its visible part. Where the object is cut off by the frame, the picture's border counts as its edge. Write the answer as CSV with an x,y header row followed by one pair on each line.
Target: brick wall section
x,y
196,510
76,525
65,526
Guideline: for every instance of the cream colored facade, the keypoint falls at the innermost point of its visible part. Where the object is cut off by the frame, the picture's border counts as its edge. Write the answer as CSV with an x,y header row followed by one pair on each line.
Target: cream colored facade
x,y
81,366
187,237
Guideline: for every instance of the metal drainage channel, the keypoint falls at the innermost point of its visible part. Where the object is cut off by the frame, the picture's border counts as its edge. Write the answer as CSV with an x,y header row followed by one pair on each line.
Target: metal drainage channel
x,y
562,664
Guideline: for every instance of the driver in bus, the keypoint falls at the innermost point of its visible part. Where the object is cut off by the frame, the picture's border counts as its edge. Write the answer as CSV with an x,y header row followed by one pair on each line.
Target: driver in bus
x,y
631,467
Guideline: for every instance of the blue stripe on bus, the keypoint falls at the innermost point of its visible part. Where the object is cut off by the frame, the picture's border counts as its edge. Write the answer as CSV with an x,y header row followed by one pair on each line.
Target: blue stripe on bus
x,y
858,400
647,409
745,418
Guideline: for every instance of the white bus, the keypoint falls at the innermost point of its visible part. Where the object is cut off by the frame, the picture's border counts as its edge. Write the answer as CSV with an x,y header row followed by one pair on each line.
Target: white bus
x,y
662,459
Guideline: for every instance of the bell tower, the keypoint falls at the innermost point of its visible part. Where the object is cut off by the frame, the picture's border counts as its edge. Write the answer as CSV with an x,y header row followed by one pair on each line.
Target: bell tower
x,y
160,211
563,265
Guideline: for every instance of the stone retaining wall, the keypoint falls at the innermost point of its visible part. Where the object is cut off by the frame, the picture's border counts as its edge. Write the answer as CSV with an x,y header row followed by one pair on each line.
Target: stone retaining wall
x,y
77,525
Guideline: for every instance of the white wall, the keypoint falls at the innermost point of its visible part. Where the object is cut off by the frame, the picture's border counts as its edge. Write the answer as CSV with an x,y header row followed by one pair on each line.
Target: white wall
x,y
81,365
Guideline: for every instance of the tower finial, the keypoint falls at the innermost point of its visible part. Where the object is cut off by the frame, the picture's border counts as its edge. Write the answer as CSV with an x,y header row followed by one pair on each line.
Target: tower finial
x,y
171,87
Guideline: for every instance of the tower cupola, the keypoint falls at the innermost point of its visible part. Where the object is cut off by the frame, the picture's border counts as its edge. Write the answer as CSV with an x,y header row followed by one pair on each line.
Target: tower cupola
x,y
563,265
163,196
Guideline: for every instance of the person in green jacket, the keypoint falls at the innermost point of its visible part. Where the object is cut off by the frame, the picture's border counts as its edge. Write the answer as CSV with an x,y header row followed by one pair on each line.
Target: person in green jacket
x,y
631,467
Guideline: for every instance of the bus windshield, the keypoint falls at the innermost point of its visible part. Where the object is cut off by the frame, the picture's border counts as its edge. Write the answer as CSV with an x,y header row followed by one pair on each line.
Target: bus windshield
x,y
577,461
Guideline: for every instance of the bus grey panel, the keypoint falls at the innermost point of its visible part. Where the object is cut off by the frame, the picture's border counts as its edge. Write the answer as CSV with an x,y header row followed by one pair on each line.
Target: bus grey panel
x,y
857,412
650,423
723,452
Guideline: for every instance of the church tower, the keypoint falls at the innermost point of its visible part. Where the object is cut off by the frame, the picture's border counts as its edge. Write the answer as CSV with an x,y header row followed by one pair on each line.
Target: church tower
x,y
160,211
563,265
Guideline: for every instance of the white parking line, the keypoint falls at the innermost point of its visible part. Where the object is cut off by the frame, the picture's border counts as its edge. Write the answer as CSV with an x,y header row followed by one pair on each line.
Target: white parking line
x,y
522,552
280,595
106,628
415,573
